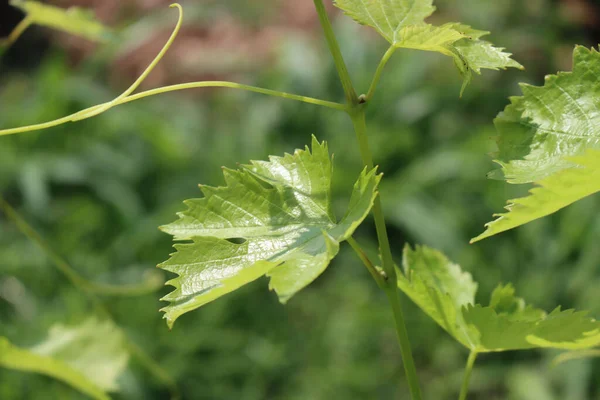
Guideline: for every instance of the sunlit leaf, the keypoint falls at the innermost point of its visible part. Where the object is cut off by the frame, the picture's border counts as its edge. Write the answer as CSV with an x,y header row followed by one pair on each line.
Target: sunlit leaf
x,y
553,193
429,38
447,295
74,20
89,357
548,123
401,22
388,17
273,217
543,138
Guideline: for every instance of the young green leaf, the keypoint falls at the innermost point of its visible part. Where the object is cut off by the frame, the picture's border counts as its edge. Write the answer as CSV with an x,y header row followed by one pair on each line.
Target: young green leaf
x,y
401,22
74,20
388,17
273,217
543,138
447,295
89,357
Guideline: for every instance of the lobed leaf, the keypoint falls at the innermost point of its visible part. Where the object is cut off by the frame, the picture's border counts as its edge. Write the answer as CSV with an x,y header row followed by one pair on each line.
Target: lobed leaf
x,y
74,20
401,22
272,218
447,295
89,357
551,136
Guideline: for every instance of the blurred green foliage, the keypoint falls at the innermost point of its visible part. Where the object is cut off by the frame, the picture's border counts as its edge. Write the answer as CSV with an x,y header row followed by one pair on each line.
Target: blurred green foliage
x,y
98,189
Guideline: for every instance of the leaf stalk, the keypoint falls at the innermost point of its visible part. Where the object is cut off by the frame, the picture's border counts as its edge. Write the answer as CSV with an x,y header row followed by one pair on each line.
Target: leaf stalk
x,y
375,273
464,391
377,77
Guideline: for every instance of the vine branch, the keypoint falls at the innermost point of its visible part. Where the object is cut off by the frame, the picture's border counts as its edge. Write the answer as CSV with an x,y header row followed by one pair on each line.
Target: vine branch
x,y
334,48
356,110
391,285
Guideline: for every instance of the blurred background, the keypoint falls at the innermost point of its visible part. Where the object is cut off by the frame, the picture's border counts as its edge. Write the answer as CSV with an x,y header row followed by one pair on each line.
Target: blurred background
x,y
97,190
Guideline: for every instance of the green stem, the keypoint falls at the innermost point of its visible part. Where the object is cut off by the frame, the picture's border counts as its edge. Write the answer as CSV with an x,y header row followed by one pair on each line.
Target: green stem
x,y
18,31
356,110
467,377
104,107
391,288
375,273
384,60
95,110
233,85
338,59
360,126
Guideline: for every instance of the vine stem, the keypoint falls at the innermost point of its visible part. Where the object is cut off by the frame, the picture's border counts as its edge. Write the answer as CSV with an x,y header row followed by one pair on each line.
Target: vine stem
x,y
464,391
334,48
390,284
356,110
233,85
95,110
384,60
18,31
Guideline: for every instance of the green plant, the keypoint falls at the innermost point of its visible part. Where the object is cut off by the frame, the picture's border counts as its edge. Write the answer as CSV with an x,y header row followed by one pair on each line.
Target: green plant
x,y
274,218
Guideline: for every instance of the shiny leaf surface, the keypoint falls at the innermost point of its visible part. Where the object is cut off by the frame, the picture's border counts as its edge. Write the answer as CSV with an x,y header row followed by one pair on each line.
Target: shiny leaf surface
x,y
539,130
543,138
273,217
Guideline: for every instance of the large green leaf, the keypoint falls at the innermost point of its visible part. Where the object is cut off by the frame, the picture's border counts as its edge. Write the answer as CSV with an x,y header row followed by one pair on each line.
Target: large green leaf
x,y
273,217
89,357
543,138
538,130
447,295
74,20
401,22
